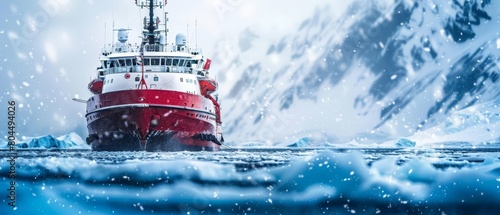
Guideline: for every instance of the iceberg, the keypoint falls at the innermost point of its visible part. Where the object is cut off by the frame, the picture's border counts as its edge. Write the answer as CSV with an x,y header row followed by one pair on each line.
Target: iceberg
x,y
404,143
301,143
312,139
475,126
67,141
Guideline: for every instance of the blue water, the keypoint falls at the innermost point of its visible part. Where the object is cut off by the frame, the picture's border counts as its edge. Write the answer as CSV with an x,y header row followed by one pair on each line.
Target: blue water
x,y
267,181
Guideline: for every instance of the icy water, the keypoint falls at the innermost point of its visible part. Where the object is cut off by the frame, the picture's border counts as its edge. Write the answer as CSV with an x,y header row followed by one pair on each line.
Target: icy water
x,y
255,181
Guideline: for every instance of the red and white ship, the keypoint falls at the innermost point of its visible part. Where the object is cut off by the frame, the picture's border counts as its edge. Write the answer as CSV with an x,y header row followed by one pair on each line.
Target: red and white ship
x,y
153,96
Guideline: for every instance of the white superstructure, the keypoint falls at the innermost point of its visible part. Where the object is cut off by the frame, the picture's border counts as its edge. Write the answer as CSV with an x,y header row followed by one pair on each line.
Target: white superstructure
x,y
153,64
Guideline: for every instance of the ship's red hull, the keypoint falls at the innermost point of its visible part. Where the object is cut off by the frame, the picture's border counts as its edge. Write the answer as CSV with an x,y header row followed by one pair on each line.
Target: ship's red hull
x,y
152,120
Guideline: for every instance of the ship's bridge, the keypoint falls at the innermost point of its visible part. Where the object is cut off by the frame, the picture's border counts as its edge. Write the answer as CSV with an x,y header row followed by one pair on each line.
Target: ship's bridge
x,y
174,62
175,71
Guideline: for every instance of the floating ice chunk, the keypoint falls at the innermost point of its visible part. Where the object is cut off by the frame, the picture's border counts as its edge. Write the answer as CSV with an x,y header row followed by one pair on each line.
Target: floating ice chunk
x,y
302,142
72,137
71,140
50,142
403,142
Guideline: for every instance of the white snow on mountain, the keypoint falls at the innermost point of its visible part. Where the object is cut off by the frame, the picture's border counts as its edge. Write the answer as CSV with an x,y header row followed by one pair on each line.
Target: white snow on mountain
x,y
384,69
475,126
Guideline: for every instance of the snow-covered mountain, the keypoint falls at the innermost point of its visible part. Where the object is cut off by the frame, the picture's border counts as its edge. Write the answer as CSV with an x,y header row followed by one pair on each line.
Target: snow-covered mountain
x,y
384,69
478,125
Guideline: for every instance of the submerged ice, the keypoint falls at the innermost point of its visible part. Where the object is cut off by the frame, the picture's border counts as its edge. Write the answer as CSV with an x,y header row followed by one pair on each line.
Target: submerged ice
x,y
323,182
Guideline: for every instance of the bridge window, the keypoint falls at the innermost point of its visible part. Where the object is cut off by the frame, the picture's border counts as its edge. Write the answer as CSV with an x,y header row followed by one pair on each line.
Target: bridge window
x,y
129,62
175,62
181,63
122,63
147,61
155,62
169,62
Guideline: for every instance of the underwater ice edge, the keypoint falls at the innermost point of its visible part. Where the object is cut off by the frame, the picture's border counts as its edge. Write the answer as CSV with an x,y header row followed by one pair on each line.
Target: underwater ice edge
x,y
325,182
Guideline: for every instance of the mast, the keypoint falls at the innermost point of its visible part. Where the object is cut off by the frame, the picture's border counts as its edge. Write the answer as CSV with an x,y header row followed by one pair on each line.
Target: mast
x,y
151,27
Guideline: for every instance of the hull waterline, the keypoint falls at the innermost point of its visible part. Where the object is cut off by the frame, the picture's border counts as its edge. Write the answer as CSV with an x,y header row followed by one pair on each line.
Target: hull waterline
x,y
158,121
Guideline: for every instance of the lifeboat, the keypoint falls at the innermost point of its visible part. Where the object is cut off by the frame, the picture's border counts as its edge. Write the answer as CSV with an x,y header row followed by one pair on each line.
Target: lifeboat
x,y
208,86
95,86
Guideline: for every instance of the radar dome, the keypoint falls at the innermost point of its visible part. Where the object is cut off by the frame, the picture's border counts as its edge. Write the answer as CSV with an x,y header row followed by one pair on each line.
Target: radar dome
x,y
122,35
180,40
